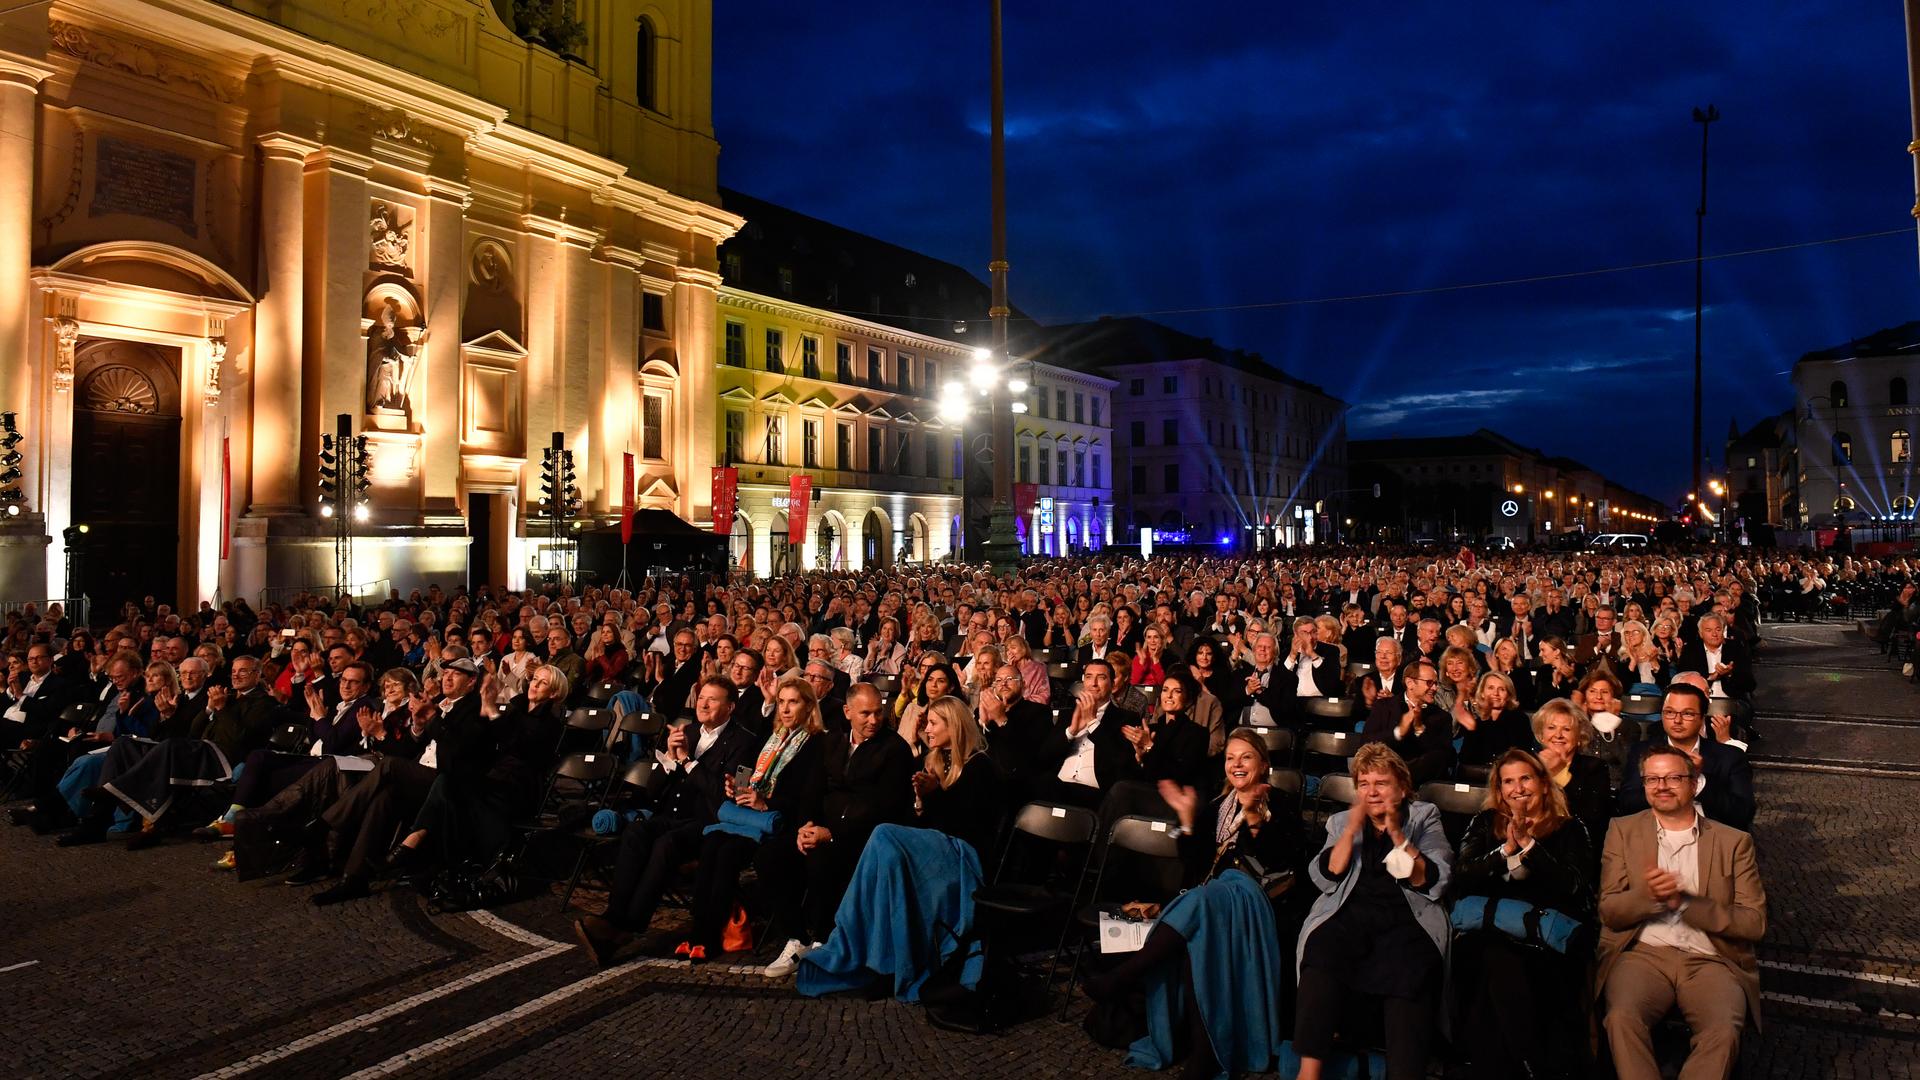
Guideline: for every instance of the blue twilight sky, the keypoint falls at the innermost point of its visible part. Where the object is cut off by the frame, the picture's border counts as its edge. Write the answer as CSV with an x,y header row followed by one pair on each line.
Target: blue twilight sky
x,y
1271,151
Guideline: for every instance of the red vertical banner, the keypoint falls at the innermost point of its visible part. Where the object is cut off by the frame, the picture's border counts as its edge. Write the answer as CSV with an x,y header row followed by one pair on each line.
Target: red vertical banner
x,y
799,501
226,497
726,486
1024,496
626,499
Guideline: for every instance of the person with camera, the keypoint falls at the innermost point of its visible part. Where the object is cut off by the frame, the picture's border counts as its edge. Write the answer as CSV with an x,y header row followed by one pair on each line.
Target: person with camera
x,y
1212,962
1522,894
1681,909
1377,929
698,758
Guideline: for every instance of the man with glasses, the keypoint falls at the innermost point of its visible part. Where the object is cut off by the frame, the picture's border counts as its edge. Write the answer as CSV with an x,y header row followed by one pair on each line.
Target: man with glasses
x,y
822,676
750,703
1723,776
1681,906
1015,727
1417,729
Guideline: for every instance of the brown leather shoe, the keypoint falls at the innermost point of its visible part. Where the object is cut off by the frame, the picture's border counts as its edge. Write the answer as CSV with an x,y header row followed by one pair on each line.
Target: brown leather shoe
x,y
600,937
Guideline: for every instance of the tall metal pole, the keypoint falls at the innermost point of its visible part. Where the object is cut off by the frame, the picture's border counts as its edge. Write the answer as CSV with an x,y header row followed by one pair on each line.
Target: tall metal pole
x,y
1003,546
1705,119
1913,101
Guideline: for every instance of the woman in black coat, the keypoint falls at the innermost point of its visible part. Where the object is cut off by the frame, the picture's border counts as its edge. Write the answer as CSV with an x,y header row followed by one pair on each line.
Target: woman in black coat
x,y
1562,732
1519,1001
469,811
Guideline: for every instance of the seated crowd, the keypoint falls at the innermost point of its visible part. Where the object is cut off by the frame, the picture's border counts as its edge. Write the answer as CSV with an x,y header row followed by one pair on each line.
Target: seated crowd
x,y
1531,771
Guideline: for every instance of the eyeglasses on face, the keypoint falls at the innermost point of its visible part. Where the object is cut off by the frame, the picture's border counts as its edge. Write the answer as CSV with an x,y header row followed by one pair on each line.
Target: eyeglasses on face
x,y
1674,780
1679,714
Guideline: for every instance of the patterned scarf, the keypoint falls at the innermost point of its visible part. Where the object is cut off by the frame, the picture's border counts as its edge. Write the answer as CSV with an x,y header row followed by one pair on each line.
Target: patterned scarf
x,y
780,748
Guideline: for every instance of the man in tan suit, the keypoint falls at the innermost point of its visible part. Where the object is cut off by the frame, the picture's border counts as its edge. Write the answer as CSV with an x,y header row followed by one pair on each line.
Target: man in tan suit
x,y
1681,906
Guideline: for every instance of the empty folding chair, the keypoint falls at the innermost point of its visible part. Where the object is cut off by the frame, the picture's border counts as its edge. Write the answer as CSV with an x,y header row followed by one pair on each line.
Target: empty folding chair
x,y
1041,831
1144,838
1457,804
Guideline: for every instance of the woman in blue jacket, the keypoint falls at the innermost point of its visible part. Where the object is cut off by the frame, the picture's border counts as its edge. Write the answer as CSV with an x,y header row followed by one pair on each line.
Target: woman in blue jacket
x,y
1378,928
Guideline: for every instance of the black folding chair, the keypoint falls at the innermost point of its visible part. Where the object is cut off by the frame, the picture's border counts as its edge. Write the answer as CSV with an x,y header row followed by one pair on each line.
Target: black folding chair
x,y
1457,803
291,738
1288,783
1148,838
1045,831
639,722
1334,788
1337,711
1641,706
888,685
79,714
645,778
583,722
588,776
1279,743
602,692
1334,746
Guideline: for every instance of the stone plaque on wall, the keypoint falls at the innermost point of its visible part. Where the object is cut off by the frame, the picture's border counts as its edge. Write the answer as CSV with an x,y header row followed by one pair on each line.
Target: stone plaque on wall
x,y
146,181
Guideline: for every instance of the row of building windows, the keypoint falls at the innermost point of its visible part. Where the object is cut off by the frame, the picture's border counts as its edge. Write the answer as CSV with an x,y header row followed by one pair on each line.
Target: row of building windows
x,y
1896,392
1250,396
1041,397
899,459
1225,436
1899,451
1085,471
775,358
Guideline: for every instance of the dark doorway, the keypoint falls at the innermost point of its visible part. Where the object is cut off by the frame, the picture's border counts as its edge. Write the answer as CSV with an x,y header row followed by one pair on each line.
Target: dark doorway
x,y
479,540
126,473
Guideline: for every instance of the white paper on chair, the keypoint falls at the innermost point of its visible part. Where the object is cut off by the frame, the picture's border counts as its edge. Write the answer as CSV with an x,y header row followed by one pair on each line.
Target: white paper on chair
x,y
1119,935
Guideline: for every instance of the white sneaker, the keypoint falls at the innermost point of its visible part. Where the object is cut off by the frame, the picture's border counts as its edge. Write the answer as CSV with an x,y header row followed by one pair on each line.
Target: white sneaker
x,y
788,961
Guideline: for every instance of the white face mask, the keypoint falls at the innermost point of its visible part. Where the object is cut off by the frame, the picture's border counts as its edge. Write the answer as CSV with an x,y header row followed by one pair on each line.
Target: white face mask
x,y
1399,863
1605,723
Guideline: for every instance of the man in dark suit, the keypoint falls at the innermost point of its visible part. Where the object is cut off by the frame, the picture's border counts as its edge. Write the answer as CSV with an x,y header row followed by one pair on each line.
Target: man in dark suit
x,y
242,717
31,705
1016,728
749,702
1727,793
1099,640
1553,618
1313,665
806,867
824,678
1080,762
1263,687
1723,661
1032,621
1417,729
699,759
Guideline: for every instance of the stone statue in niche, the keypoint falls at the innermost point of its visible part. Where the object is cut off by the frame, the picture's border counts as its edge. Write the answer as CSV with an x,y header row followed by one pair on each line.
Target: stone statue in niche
x,y
392,352
392,234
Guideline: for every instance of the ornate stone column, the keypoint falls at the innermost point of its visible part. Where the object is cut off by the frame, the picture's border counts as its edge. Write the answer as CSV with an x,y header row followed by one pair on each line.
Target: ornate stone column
x,y
438,396
24,555
696,306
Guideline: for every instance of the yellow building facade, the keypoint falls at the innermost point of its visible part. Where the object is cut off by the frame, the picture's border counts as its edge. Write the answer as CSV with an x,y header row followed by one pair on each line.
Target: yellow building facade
x,y
229,224
851,405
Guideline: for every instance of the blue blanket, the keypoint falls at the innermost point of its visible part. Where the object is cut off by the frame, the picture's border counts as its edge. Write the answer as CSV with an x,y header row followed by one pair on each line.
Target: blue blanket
x,y
755,825
1235,953
907,910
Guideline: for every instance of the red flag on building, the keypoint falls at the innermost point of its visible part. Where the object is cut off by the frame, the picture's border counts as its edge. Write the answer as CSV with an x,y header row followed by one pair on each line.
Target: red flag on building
x,y
626,500
226,497
726,486
799,499
1024,496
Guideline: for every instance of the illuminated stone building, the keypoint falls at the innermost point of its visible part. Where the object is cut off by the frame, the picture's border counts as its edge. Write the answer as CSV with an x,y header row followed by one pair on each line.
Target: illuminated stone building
x,y
228,223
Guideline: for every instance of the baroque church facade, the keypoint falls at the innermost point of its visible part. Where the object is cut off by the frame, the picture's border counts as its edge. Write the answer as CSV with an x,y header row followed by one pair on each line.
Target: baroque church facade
x,y
462,225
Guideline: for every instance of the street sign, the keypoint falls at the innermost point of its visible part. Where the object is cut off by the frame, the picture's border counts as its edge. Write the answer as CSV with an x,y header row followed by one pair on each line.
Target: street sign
x,y
1510,508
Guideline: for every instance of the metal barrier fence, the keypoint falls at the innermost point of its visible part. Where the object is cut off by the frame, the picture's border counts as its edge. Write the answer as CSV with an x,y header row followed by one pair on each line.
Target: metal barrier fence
x,y
363,593
76,608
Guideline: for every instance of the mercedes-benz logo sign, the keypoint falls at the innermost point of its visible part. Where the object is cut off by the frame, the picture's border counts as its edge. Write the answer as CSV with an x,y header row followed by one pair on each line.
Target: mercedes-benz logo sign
x,y
1510,509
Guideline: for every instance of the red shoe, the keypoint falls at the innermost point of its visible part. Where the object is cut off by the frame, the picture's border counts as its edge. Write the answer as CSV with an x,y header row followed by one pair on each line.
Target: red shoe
x,y
683,949
697,953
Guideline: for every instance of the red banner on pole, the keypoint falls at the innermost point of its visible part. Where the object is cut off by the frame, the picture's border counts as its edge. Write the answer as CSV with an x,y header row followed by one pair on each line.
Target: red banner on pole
x,y
726,487
1024,496
226,497
626,499
799,500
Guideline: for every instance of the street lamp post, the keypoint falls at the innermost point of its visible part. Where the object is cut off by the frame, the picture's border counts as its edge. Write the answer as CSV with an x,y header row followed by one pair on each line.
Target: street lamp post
x,y
1002,549
1705,118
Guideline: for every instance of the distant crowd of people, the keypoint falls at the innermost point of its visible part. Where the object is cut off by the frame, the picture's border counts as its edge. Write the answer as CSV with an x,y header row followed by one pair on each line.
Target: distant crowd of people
x,y
864,745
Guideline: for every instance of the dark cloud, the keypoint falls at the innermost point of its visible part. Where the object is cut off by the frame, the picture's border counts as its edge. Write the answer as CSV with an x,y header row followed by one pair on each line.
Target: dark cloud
x,y
1270,152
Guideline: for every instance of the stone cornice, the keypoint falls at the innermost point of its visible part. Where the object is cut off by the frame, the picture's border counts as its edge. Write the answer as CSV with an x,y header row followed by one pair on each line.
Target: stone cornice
x,y
767,305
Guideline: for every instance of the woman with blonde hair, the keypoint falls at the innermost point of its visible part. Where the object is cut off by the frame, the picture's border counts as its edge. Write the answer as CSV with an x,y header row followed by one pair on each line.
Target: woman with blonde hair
x,y
910,904
1562,732
1033,673
1491,720
1522,887
788,782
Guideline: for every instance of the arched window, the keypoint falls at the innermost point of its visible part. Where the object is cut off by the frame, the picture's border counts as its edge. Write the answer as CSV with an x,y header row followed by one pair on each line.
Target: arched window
x,y
1843,504
1837,395
1897,391
1842,448
1903,506
1902,446
647,69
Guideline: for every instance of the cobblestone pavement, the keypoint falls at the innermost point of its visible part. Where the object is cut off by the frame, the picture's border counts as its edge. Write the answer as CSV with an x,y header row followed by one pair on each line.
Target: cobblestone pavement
x,y
148,964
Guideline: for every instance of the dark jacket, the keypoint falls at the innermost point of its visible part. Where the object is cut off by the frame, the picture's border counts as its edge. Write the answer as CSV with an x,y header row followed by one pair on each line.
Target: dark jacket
x,y
1276,847
1327,678
1016,744
1559,868
43,706
1727,798
465,739
971,809
1739,682
1429,754
867,786
344,737
1113,759
1179,754
242,727
693,794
